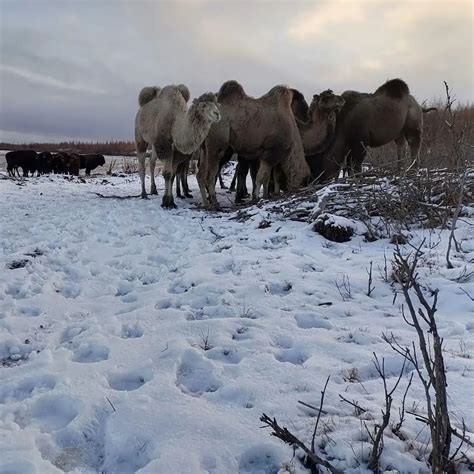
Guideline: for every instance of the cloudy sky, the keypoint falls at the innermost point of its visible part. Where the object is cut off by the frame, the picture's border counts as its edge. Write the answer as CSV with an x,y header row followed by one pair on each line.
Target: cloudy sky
x,y
73,68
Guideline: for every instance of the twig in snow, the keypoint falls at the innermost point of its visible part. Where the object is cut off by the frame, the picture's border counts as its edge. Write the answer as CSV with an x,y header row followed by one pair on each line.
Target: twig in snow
x,y
111,404
323,392
289,438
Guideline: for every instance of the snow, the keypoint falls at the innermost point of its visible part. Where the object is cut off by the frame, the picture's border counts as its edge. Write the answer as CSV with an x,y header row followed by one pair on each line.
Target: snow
x,y
134,339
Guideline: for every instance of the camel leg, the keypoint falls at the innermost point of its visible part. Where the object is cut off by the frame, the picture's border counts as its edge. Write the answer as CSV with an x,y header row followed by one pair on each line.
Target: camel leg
x,y
263,178
414,142
201,179
401,152
184,181
178,182
241,171
221,182
213,170
168,173
153,158
356,157
276,182
141,146
234,179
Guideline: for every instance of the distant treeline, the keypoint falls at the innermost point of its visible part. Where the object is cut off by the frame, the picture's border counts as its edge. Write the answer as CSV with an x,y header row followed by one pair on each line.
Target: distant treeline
x,y
119,147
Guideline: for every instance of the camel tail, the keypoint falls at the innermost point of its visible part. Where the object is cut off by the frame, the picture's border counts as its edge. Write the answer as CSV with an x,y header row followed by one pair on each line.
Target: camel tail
x,y
428,109
147,94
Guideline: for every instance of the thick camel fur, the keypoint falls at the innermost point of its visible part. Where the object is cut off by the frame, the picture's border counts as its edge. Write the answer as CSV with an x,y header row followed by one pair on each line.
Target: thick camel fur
x,y
165,123
372,120
257,129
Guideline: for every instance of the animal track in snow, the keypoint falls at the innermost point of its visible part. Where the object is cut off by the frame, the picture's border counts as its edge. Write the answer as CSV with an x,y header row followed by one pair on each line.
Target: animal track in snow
x,y
278,288
70,291
262,458
196,375
311,320
73,331
27,388
130,380
30,311
131,331
296,356
223,354
53,412
88,352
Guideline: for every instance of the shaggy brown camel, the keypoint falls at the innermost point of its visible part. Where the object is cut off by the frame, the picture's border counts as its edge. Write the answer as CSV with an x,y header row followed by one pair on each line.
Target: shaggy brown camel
x,y
164,122
318,131
263,129
316,124
371,120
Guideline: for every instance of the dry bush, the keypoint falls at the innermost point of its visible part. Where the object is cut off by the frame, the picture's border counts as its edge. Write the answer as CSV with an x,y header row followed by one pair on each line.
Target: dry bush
x,y
129,165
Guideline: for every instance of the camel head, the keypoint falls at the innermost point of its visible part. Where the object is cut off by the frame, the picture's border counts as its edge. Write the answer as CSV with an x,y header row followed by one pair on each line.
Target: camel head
x,y
328,102
207,107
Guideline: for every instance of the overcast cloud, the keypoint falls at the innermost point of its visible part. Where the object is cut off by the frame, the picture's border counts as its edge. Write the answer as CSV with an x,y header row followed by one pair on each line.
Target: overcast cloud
x,y
73,68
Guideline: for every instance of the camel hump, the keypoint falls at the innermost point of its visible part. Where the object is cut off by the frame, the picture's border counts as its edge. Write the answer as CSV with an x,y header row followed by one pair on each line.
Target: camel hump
x,y
230,90
299,105
395,88
184,91
147,94
206,97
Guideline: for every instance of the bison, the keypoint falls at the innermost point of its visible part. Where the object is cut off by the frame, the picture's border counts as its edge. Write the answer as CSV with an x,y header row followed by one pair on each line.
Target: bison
x,y
24,159
91,161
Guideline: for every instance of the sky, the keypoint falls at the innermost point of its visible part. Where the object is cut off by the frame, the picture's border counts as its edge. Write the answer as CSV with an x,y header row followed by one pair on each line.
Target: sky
x,y
72,69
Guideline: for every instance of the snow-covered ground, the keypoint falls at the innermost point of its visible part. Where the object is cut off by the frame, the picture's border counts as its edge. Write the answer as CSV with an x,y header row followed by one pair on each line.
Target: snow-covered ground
x,y
134,339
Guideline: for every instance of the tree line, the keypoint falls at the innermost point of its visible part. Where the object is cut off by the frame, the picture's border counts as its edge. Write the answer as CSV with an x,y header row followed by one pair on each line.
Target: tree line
x,y
116,147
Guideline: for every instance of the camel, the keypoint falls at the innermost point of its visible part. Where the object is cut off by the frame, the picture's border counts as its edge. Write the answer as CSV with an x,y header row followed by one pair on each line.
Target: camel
x,y
259,129
318,131
173,131
391,113
316,124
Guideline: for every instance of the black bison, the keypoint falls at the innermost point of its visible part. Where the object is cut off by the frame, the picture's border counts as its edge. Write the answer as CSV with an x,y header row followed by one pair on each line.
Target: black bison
x,y
68,163
24,159
45,162
91,161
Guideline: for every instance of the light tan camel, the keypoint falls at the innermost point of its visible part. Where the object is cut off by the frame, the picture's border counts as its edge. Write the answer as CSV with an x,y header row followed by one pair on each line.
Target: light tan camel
x,y
173,131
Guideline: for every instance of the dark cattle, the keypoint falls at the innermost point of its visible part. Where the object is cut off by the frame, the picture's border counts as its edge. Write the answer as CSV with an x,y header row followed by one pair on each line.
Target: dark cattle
x,y
45,162
74,164
66,163
91,161
58,163
24,159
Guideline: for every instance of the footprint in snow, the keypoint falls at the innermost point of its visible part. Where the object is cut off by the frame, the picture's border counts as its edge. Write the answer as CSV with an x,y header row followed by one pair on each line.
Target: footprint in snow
x,y
26,388
73,331
131,331
196,375
278,288
30,311
261,458
296,356
311,320
89,352
52,412
129,380
225,355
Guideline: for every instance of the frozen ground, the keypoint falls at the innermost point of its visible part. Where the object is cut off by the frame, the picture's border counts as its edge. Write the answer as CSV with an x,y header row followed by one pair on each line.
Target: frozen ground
x,y
134,339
